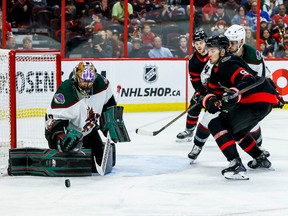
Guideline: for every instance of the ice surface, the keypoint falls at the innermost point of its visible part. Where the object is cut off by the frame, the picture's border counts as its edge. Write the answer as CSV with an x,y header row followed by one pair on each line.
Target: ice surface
x,y
152,177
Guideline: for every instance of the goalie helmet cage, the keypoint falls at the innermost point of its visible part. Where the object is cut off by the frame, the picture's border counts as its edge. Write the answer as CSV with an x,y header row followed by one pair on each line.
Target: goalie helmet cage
x,y
28,80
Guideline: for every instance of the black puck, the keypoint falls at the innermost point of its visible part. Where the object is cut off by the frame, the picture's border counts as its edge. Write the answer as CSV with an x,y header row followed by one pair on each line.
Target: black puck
x,y
67,183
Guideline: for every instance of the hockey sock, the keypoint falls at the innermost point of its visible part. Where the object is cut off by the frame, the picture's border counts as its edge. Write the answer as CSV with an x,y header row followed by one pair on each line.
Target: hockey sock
x,y
201,135
192,118
223,139
248,144
257,135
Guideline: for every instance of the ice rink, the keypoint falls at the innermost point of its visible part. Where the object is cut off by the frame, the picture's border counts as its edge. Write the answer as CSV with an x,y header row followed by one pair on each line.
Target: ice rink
x,y
153,177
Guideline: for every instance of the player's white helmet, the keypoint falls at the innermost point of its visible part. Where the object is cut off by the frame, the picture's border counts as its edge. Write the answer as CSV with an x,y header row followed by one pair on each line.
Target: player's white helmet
x,y
236,33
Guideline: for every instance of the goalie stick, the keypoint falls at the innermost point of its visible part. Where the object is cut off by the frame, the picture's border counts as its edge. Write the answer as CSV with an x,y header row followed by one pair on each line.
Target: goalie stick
x,y
102,169
154,133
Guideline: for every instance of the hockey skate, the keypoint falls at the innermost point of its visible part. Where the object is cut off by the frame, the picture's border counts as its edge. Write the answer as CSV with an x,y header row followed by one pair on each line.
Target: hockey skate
x,y
194,153
260,162
185,136
265,152
235,171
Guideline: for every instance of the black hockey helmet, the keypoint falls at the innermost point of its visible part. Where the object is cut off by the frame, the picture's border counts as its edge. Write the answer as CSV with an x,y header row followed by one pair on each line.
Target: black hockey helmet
x,y
220,41
199,35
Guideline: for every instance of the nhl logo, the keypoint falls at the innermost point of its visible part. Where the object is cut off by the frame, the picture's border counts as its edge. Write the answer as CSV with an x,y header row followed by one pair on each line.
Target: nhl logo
x,y
150,74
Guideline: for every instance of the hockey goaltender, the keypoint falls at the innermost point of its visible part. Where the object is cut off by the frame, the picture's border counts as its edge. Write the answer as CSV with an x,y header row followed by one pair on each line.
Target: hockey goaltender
x,y
81,106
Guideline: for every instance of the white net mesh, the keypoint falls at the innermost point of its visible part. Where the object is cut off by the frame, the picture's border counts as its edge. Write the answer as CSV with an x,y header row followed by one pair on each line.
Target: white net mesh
x,y
35,86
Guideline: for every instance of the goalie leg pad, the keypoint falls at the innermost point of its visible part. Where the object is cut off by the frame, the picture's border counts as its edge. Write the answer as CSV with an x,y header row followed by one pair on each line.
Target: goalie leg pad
x,y
112,120
49,162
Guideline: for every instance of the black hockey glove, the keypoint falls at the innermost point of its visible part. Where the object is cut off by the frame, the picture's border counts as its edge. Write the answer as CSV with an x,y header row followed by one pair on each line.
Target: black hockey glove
x,y
230,98
70,140
211,103
196,98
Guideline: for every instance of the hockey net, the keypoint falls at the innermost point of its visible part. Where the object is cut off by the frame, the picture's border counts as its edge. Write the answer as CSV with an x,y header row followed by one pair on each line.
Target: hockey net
x,y
28,80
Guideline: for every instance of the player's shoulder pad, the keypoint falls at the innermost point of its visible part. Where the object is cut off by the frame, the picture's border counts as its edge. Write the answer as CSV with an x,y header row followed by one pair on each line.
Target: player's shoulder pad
x,y
64,95
101,83
252,54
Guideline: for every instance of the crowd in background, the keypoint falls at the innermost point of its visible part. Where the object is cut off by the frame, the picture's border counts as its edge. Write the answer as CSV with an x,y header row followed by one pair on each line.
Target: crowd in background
x,y
156,28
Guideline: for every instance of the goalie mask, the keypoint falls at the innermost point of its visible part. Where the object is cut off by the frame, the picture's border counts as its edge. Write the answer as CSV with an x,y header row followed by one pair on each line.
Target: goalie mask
x,y
236,33
85,74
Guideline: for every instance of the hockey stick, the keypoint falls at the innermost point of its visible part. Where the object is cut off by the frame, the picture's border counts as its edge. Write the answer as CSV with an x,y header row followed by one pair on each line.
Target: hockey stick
x,y
102,169
154,133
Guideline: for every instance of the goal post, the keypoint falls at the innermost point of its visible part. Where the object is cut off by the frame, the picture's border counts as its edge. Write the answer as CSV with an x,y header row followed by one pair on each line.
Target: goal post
x,y
28,80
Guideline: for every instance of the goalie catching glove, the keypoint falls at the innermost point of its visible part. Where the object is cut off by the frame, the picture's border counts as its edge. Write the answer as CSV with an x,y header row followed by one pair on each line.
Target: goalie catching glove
x,y
70,140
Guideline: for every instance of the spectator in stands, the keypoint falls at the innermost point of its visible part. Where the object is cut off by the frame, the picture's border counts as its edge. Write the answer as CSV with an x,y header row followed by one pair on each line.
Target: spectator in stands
x,y
141,8
247,4
147,35
11,42
118,11
182,51
27,43
219,28
253,14
99,48
281,14
219,18
241,18
270,42
103,7
21,13
162,12
7,25
282,51
178,12
197,18
231,8
71,8
96,23
264,50
278,31
208,10
117,45
271,6
134,27
137,51
158,51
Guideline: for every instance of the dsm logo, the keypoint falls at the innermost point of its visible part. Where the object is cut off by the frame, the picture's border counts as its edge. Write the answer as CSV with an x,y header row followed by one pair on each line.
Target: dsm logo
x,y
150,74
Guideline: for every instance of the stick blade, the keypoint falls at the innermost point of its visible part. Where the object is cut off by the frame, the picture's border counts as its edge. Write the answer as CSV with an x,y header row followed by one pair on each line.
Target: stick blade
x,y
145,133
99,168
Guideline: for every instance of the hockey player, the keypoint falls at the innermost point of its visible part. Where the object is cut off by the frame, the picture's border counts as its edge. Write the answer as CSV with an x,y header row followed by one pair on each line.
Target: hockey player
x,y
233,115
196,65
72,119
236,35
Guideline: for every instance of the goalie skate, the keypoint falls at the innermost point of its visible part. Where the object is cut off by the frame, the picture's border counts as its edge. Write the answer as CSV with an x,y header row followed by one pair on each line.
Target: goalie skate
x,y
185,136
235,171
